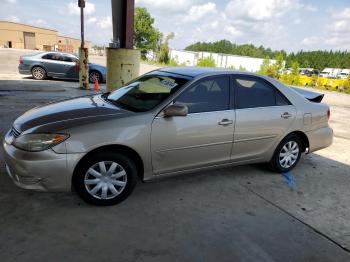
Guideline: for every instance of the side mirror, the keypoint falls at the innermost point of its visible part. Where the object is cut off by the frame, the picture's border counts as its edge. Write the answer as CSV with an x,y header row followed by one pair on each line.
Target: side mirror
x,y
176,110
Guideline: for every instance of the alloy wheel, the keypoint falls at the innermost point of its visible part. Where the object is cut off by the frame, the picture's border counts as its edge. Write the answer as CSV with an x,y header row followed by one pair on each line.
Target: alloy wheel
x,y
38,73
94,76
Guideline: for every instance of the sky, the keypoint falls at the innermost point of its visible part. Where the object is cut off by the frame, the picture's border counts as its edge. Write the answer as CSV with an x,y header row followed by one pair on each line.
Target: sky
x,y
291,25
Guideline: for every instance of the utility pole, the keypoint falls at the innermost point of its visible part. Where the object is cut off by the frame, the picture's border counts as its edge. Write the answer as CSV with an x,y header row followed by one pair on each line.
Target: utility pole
x,y
83,52
123,61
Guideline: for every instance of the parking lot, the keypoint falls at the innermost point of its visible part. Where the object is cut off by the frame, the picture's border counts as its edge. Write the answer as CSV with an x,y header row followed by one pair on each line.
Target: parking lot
x,y
241,213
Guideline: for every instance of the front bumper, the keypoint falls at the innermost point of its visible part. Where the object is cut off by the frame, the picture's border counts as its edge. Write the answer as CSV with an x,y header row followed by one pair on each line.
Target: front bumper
x,y
41,171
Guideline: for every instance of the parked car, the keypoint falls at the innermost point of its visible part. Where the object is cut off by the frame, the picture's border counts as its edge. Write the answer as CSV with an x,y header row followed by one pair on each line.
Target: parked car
x,y
168,121
58,65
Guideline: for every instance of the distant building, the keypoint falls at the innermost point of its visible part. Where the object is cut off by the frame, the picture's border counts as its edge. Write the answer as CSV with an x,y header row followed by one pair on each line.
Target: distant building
x,y
16,35
191,58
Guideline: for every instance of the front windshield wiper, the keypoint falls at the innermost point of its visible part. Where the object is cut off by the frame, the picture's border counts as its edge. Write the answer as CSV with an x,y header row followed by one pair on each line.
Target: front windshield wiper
x,y
115,102
105,95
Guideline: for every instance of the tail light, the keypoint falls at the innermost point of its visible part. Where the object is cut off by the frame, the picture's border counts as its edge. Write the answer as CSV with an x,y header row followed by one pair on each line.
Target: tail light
x,y
329,113
21,60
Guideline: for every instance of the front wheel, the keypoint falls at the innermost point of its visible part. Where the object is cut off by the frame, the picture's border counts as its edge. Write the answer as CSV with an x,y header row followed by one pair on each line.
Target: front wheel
x,y
287,154
105,179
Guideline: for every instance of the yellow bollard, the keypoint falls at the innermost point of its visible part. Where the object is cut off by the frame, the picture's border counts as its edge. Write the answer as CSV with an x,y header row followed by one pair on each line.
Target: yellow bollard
x,y
123,65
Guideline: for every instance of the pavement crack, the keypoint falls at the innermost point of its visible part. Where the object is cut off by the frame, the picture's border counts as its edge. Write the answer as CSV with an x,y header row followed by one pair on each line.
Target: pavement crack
x,y
296,218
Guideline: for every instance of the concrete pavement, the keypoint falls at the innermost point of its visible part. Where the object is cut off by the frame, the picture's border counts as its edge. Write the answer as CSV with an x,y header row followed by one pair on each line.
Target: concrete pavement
x,y
235,214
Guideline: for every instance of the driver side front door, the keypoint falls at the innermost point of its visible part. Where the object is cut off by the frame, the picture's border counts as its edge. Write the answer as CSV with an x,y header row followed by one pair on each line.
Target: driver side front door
x,y
202,138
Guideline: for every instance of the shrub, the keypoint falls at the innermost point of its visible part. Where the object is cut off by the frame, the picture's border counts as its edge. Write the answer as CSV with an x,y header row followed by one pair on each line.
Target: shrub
x,y
206,62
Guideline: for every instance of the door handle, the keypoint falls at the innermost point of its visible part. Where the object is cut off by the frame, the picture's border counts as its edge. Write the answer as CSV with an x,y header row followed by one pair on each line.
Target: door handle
x,y
225,122
286,115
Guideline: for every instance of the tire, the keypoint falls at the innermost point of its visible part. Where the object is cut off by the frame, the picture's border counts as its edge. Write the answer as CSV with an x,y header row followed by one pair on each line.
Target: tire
x,y
38,73
98,190
289,148
95,75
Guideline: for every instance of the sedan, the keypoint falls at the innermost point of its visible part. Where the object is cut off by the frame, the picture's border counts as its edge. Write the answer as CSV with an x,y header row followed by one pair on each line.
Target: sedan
x,y
168,121
58,65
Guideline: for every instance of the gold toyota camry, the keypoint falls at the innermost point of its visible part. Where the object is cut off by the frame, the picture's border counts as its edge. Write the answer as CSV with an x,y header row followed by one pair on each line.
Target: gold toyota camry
x,y
168,121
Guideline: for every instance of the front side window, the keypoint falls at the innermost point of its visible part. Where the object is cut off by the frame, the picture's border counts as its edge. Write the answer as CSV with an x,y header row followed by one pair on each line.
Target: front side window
x,y
207,95
146,92
254,92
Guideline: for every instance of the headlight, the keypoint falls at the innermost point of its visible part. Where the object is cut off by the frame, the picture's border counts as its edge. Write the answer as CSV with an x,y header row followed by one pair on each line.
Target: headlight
x,y
38,142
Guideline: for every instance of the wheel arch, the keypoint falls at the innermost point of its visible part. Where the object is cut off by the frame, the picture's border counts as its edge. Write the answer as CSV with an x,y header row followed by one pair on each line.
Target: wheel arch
x,y
38,65
303,138
129,152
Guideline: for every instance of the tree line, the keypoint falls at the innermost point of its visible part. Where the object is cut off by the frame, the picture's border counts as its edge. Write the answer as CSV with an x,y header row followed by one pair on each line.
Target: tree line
x,y
148,38
315,59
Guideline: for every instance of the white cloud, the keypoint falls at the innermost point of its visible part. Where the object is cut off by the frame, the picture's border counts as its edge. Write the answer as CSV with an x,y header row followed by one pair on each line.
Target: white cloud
x,y
38,22
297,21
260,10
73,8
13,18
344,14
310,8
197,12
231,30
91,20
167,6
312,40
105,22
11,1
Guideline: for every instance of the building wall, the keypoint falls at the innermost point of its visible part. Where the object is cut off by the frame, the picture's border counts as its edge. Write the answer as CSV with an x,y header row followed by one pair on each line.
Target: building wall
x,y
190,58
13,32
45,39
69,44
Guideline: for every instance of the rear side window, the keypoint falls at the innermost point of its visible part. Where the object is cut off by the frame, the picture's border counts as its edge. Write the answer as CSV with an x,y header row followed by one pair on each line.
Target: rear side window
x,y
254,92
207,95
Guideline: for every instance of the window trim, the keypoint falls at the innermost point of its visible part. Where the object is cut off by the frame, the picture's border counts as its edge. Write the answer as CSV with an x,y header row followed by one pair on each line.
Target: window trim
x,y
256,78
196,82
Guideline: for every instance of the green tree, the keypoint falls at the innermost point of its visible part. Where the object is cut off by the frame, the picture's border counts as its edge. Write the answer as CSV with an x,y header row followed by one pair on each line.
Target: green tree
x,y
206,62
163,56
295,68
146,36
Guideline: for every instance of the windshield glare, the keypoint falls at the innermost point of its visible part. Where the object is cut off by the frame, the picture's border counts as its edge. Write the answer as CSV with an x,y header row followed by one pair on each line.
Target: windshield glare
x,y
146,92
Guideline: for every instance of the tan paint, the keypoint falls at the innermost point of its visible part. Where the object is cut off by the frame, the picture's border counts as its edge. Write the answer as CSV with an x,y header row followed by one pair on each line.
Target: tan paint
x,y
123,65
45,39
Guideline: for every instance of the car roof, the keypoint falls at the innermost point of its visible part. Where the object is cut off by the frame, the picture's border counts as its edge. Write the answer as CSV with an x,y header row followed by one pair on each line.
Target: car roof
x,y
194,72
59,53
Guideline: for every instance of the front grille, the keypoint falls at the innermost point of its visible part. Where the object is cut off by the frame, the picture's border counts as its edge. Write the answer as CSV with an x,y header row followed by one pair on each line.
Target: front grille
x,y
15,132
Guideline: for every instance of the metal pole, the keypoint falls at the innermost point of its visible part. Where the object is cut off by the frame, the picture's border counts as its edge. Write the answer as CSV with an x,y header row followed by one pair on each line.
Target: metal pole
x,y
82,26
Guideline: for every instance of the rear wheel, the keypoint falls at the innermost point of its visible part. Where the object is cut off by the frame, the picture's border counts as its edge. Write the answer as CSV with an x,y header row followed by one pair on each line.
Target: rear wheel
x,y
94,75
38,73
105,179
287,154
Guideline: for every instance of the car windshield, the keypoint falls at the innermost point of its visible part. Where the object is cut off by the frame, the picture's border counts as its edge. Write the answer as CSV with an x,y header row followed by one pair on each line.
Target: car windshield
x,y
147,92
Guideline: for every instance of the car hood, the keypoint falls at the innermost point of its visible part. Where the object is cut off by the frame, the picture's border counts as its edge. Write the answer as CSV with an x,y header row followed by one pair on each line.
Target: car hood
x,y
62,115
